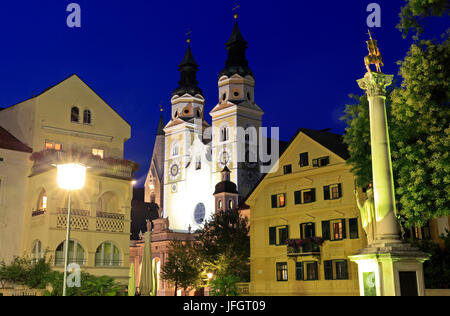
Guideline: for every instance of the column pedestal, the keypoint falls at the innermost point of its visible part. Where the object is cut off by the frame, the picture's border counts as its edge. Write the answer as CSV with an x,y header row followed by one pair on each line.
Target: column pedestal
x,y
390,269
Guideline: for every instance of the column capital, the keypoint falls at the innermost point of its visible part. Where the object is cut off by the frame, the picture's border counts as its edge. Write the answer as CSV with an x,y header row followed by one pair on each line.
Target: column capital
x,y
375,83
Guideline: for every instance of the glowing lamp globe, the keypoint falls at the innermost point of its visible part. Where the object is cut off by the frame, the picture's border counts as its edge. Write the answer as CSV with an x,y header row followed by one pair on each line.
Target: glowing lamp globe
x,y
71,176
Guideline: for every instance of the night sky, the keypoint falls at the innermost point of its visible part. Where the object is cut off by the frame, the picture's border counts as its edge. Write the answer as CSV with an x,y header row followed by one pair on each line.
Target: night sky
x,y
306,55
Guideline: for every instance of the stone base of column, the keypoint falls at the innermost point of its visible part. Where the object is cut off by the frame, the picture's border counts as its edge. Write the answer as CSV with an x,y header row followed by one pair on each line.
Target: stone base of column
x,y
390,269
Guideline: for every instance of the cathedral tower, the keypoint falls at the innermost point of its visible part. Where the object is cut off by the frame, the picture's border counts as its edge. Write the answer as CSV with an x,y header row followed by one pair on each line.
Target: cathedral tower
x,y
236,119
188,187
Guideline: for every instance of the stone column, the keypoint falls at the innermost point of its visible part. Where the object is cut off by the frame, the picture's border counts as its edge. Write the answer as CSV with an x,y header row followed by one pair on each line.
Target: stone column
x,y
387,226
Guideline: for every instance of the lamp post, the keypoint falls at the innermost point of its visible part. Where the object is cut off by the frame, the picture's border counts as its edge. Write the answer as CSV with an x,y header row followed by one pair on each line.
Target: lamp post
x,y
71,177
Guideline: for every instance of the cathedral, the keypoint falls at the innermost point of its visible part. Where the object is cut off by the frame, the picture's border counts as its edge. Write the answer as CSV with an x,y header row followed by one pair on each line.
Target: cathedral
x,y
191,155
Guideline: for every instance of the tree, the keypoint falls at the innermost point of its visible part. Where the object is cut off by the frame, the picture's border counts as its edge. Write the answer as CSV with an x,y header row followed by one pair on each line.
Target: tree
x,y
183,268
226,236
415,11
420,133
224,286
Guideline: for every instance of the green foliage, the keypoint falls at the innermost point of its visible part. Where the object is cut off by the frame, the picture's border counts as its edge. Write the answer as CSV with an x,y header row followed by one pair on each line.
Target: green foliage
x,y
38,275
224,286
357,138
183,268
225,239
420,133
415,11
437,269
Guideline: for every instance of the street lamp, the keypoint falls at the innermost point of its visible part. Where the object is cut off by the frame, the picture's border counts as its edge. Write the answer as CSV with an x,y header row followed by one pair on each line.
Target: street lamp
x,y
71,177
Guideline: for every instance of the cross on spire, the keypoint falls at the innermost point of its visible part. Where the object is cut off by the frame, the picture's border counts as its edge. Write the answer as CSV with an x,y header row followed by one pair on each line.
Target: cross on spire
x,y
188,36
235,9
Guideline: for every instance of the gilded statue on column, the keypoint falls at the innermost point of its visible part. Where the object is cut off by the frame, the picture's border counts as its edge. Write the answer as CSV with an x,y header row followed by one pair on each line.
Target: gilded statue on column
x,y
374,57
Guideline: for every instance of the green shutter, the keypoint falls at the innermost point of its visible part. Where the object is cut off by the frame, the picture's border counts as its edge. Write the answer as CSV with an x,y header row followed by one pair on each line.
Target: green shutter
x,y
344,229
326,230
340,190
272,235
313,195
314,229
328,269
315,163
326,193
353,227
274,201
299,272
298,197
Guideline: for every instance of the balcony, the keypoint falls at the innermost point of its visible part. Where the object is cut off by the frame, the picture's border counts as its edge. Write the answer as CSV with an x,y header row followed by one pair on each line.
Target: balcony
x,y
80,220
305,247
109,167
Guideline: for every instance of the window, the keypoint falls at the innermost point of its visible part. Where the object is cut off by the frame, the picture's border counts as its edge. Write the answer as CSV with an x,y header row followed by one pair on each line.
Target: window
x,y
87,117
287,169
307,230
98,152
175,150
332,192
304,160
76,253
335,270
282,271
353,227
224,134
321,162
53,146
311,271
278,200
219,204
278,236
107,254
305,196
299,271
334,230
230,204
36,252
42,201
75,115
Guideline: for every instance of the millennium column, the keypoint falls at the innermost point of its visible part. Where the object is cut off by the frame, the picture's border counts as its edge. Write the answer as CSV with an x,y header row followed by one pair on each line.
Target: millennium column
x,y
388,266
387,226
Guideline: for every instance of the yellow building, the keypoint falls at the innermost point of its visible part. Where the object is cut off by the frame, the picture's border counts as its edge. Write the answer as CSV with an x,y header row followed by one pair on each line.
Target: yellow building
x,y
70,122
305,222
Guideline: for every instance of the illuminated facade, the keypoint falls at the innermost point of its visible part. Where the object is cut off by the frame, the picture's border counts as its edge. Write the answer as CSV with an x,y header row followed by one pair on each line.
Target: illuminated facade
x,y
70,122
305,223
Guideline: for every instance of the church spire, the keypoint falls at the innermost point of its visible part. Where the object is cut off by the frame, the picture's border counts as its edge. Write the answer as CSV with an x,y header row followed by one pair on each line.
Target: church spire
x,y
236,62
188,69
161,125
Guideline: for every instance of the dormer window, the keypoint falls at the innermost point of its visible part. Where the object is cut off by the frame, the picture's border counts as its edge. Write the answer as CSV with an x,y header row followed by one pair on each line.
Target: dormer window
x,y
321,162
75,115
87,117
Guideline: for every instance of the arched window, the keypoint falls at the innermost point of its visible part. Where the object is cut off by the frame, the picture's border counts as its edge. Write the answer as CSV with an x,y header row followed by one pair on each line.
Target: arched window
x,y
219,204
87,117
224,134
175,150
230,204
107,254
76,253
107,203
36,252
42,201
75,115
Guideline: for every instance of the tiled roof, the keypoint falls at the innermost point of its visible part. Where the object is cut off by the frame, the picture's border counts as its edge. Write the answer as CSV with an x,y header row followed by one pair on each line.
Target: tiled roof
x,y
8,141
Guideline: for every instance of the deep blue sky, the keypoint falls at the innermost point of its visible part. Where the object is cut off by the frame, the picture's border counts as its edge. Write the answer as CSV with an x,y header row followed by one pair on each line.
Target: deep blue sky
x,y
306,55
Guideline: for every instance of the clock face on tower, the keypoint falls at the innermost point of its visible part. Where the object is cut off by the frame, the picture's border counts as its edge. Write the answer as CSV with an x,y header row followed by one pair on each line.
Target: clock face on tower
x,y
174,170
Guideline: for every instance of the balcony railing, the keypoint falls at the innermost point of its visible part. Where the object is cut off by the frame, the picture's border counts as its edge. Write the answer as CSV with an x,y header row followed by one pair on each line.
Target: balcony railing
x,y
82,221
306,247
110,167
243,289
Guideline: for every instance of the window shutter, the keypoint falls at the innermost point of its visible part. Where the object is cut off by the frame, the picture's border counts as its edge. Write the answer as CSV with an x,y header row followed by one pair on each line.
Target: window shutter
x,y
328,269
272,235
326,230
315,162
274,201
326,193
353,227
313,229
301,231
344,229
298,197
340,190
299,274
313,195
